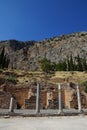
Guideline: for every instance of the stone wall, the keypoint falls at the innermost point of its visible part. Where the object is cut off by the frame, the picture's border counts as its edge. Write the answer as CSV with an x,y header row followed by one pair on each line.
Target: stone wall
x,y
69,96
20,95
25,97
5,100
30,103
52,100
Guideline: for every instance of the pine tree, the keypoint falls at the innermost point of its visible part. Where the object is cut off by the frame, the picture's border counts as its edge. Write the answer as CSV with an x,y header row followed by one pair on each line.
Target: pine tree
x,y
84,64
74,64
68,63
71,63
79,63
4,61
7,63
2,57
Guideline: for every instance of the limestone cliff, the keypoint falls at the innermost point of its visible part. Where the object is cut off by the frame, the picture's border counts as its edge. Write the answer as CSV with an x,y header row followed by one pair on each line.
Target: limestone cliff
x,y
26,55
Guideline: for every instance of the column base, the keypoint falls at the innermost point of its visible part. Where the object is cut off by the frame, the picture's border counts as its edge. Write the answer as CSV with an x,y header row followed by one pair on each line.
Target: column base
x,y
37,112
60,112
11,113
80,111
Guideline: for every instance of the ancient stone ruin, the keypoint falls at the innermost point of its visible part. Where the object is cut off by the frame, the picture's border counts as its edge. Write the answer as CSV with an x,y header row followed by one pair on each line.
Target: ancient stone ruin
x,y
25,96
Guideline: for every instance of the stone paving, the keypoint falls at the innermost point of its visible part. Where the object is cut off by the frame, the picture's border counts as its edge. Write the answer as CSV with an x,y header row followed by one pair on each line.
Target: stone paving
x,y
48,112
44,123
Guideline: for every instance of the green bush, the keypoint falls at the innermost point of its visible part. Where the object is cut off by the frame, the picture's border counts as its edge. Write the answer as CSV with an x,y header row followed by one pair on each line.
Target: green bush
x,y
85,89
85,85
46,65
12,79
69,64
61,66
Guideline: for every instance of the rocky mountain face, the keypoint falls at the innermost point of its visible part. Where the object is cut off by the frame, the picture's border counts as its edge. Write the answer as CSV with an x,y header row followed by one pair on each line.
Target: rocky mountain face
x,y
26,55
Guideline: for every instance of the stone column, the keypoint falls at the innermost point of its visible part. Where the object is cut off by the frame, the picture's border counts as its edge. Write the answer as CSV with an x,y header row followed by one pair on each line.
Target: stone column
x,y
59,99
11,107
79,99
38,99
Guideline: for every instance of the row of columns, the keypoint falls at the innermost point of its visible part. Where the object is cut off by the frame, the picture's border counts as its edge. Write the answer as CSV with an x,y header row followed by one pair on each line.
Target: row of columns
x,y
60,110
59,99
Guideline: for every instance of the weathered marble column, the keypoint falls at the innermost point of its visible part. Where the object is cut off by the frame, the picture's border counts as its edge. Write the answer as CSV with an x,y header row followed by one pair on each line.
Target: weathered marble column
x,y
38,99
11,107
79,99
59,99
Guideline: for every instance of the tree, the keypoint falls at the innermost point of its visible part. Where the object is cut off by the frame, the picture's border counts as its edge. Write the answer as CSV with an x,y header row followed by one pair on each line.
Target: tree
x,y
79,63
84,64
7,62
4,61
2,56
61,66
46,65
68,63
71,63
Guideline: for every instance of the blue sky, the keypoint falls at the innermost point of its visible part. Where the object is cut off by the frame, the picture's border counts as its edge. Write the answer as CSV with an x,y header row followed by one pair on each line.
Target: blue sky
x,y
40,19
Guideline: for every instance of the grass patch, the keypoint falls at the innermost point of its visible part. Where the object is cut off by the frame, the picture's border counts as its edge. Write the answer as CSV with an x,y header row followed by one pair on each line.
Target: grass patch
x,y
23,77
